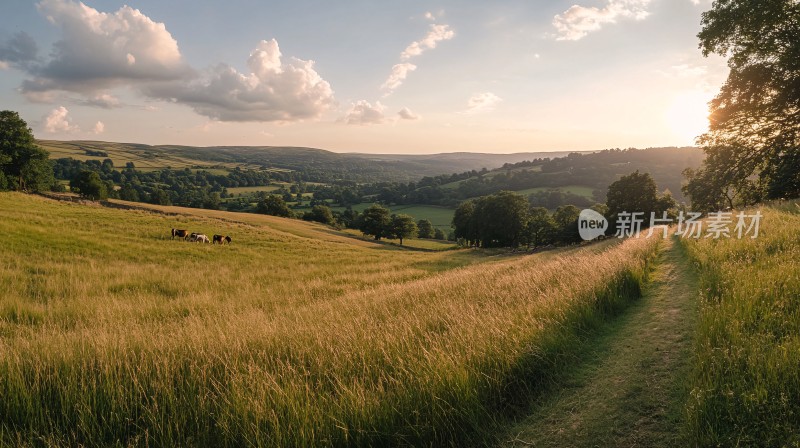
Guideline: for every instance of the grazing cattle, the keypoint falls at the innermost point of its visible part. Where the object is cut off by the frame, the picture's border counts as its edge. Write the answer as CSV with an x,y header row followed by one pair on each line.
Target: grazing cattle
x,y
200,238
221,239
191,237
180,233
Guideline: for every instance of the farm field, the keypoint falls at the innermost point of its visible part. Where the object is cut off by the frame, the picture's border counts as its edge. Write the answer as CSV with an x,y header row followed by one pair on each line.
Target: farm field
x,y
295,334
152,158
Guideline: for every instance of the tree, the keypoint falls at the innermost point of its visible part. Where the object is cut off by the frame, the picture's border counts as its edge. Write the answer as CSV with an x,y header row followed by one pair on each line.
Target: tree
x,y
375,221
637,193
425,228
402,226
501,219
565,219
320,213
89,185
274,205
541,227
23,164
754,126
129,193
463,222
439,234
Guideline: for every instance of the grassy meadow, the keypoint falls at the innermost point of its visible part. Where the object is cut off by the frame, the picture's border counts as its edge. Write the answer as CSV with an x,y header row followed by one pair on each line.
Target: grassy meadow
x,y
111,334
746,381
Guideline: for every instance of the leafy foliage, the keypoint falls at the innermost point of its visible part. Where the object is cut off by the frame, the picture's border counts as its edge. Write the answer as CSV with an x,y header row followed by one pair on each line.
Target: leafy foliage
x,y
754,134
24,165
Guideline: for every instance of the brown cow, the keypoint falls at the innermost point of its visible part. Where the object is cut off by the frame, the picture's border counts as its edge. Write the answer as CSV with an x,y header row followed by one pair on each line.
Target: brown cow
x,y
180,233
221,239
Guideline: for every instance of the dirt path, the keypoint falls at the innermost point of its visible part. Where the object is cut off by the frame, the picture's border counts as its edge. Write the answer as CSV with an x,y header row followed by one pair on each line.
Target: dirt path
x,y
628,389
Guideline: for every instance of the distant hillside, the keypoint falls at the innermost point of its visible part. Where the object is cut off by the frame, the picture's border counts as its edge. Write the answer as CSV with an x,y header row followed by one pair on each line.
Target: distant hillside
x,y
315,164
578,179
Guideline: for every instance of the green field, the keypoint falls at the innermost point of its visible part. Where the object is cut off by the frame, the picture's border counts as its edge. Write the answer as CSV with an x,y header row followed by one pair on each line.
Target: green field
x,y
113,334
746,380
440,217
246,190
586,192
149,159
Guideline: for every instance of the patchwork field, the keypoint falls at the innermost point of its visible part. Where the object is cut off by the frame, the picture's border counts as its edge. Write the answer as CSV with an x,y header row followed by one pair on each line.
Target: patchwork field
x,y
111,333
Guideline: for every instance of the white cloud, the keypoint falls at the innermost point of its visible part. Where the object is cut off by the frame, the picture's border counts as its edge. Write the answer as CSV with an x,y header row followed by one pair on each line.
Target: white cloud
x,y
99,50
273,90
58,121
99,128
578,21
103,100
406,114
3,65
399,74
364,113
482,102
436,34
430,16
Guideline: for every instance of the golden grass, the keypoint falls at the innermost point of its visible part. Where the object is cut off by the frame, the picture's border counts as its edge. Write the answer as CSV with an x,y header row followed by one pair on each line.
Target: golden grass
x,y
112,334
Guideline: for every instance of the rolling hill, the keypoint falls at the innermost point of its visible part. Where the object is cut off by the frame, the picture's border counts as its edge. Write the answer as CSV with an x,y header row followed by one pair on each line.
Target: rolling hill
x,y
323,165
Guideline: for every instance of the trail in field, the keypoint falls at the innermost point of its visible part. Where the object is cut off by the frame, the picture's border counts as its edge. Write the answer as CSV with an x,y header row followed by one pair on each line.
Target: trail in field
x,y
629,389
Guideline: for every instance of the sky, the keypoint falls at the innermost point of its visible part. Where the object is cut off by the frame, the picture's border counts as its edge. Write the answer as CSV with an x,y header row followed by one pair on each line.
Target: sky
x,y
410,77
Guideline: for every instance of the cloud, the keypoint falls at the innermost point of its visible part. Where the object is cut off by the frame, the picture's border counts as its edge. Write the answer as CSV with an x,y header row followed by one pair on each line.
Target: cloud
x,y
101,50
430,16
400,71
436,34
482,102
58,121
578,21
273,90
103,100
406,114
99,128
364,113
4,65
19,50
399,74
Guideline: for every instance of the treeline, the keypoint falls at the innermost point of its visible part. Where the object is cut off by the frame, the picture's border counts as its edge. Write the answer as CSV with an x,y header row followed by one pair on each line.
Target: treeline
x,y
189,188
508,219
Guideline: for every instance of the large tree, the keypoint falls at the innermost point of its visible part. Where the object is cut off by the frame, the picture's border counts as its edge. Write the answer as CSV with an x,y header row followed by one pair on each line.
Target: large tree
x,y
501,219
24,166
637,193
89,185
402,226
755,119
274,205
375,221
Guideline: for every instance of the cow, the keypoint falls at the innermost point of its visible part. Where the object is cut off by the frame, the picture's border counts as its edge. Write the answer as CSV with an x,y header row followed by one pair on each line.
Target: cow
x,y
180,233
200,238
221,239
191,237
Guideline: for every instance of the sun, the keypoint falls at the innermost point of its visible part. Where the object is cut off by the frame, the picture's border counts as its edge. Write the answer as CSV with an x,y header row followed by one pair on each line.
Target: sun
x,y
687,115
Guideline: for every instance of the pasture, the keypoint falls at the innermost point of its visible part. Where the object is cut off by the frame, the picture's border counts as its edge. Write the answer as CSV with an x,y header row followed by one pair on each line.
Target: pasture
x,y
112,334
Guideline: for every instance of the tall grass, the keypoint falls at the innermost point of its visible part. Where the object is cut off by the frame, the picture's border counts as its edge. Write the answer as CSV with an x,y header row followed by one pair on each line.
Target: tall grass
x,y
110,335
746,382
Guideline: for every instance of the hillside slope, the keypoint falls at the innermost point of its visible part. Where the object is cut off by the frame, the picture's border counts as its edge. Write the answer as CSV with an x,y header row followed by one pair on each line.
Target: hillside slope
x,y
113,333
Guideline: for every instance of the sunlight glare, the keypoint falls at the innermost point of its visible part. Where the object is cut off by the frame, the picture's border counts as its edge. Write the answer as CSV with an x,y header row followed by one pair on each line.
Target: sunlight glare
x,y
687,115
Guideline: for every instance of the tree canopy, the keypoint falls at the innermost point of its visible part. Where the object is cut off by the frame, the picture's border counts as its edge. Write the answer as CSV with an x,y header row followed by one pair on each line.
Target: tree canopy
x,y
24,166
402,226
753,139
375,221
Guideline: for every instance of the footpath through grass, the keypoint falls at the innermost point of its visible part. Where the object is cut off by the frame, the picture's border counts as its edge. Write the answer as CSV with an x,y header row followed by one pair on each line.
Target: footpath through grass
x,y
629,388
